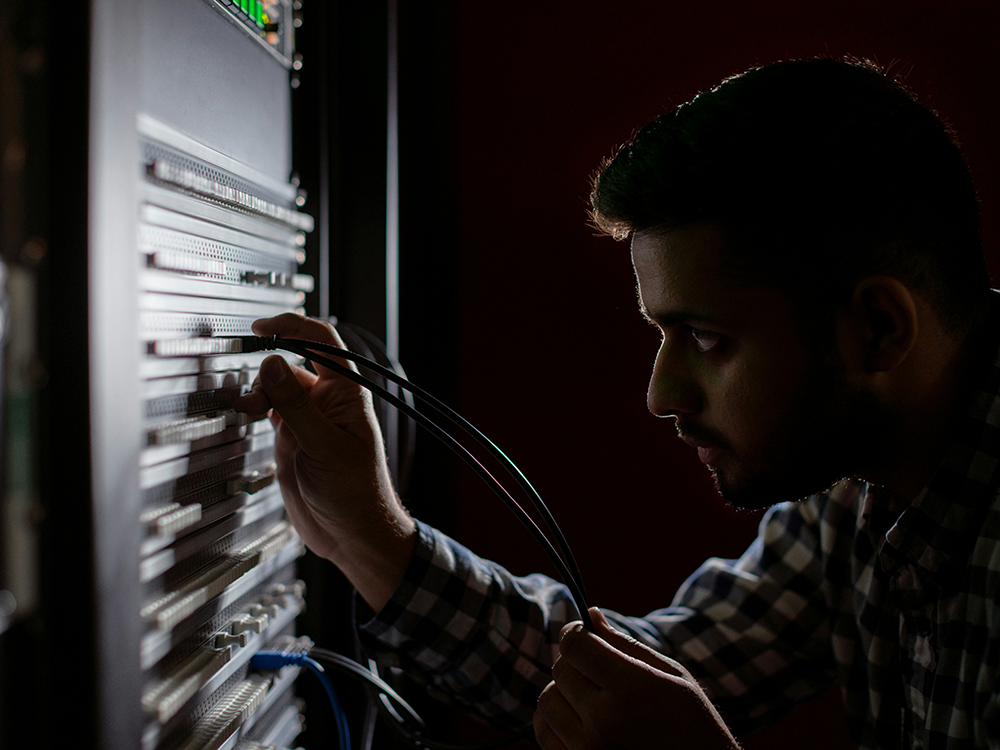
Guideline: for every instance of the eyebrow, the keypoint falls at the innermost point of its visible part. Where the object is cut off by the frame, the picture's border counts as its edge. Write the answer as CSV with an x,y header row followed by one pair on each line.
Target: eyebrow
x,y
673,318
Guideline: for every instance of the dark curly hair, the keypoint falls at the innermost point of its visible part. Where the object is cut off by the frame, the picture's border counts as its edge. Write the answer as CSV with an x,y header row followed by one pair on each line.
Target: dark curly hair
x,y
820,172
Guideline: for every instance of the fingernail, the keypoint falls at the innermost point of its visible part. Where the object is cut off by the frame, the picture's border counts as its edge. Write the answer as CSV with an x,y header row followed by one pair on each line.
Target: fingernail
x,y
273,370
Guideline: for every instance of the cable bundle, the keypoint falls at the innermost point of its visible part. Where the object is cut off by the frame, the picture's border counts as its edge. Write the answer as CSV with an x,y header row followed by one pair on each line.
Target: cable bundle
x,y
559,552
390,699
562,557
275,660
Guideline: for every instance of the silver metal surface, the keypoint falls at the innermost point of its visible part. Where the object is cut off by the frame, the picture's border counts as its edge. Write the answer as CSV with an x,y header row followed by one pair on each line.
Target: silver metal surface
x,y
194,232
115,406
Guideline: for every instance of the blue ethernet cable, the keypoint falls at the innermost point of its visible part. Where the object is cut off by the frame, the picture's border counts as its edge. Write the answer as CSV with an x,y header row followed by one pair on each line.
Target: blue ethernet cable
x,y
274,660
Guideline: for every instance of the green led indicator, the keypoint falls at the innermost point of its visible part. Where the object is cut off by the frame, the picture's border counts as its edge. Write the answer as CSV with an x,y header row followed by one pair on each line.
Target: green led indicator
x,y
245,6
259,16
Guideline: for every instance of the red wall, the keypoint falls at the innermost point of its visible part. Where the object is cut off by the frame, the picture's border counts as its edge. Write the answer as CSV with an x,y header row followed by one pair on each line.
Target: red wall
x,y
553,357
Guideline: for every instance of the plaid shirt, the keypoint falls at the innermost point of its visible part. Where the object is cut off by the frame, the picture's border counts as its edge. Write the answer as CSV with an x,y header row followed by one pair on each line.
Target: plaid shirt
x,y
902,610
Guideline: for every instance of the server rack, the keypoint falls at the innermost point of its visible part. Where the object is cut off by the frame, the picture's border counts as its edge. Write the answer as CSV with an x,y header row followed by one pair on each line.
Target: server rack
x,y
166,219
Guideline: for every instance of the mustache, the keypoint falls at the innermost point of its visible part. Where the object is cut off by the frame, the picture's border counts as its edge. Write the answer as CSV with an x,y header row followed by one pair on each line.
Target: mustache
x,y
698,432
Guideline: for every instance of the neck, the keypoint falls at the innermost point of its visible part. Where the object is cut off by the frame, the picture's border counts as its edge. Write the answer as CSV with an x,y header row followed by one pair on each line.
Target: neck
x,y
937,387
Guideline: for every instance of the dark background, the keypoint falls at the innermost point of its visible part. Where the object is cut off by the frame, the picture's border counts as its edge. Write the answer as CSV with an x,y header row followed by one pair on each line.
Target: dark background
x,y
526,322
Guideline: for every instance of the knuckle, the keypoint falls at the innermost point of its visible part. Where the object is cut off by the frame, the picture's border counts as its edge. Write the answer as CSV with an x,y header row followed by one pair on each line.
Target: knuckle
x,y
547,691
570,637
546,697
558,668
543,734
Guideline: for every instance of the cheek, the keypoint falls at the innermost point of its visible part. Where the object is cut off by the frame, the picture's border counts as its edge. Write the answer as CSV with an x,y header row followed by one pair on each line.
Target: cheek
x,y
712,375
761,392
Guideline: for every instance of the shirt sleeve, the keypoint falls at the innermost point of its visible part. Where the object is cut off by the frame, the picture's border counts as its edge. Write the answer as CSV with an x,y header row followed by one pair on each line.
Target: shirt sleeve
x,y
753,631
470,630
756,632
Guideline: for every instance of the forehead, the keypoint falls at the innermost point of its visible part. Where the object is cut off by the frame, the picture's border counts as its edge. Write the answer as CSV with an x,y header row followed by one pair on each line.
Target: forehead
x,y
683,278
682,269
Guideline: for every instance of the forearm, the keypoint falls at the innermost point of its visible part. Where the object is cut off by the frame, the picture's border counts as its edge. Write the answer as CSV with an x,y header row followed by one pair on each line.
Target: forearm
x,y
375,558
470,629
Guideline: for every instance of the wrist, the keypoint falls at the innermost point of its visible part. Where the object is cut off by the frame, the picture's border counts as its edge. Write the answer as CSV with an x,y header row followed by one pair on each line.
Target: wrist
x,y
374,556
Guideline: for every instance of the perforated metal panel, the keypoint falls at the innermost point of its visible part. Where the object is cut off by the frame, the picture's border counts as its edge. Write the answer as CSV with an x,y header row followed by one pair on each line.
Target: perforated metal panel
x,y
149,548
197,234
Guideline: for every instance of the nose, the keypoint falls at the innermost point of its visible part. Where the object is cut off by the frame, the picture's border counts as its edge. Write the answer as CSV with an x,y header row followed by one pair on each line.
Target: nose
x,y
672,390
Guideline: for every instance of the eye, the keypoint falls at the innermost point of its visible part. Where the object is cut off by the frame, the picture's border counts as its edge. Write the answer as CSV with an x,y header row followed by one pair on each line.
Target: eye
x,y
704,340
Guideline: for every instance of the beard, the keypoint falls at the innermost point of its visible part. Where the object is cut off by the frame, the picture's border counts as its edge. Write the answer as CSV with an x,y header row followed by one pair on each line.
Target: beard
x,y
827,431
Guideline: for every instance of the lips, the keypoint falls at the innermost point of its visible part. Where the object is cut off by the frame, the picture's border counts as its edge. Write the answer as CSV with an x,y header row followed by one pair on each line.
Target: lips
x,y
708,451
709,455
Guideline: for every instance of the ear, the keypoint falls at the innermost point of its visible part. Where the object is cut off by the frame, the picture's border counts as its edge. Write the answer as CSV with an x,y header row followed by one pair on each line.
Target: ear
x,y
881,323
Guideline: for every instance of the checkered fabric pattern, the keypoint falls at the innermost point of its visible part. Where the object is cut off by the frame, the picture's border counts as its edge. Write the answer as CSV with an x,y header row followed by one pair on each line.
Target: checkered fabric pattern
x,y
902,610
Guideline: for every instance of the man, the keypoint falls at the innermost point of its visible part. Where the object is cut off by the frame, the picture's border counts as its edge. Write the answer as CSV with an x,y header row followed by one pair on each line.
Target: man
x,y
805,238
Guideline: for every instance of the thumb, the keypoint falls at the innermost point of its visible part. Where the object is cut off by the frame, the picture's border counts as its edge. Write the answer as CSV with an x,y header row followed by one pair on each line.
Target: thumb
x,y
631,647
292,402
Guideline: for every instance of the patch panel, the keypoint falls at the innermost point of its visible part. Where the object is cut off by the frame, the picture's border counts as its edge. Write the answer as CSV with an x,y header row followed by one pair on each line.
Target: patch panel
x,y
223,655
219,246
160,217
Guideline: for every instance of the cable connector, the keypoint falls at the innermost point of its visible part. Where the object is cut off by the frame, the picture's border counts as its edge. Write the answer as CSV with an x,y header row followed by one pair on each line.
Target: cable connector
x,y
271,661
257,343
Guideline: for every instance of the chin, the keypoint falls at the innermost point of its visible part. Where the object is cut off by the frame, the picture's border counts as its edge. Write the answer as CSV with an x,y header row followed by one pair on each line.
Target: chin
x,y
756,491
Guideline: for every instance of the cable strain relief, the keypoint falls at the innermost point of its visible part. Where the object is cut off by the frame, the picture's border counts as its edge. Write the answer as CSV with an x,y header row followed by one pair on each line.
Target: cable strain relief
x,y
257,343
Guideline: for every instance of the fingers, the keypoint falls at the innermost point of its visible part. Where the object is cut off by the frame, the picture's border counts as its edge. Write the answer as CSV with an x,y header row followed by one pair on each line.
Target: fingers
x,y
291,326
286,394
631,647
608,687
558,723
607,656
592,656
256,404
572,684
555,721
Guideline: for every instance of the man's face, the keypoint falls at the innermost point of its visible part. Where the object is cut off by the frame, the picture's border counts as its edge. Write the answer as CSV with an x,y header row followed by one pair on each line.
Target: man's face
x,y
770,413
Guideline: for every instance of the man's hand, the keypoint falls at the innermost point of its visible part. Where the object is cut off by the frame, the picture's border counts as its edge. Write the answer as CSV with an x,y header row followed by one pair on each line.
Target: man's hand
x,y
610,691
331,464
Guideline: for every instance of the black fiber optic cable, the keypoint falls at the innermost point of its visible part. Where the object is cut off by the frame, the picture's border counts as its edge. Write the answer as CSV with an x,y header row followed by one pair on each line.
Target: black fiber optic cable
x,y
457,419
469,429
295,346
374,349
460,421
353,668
568,569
